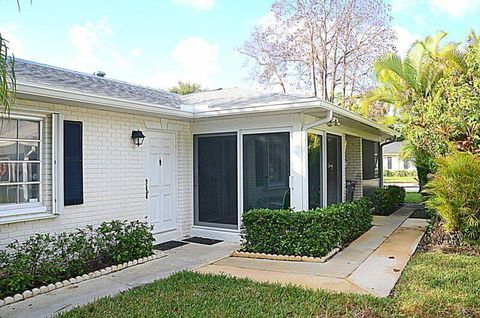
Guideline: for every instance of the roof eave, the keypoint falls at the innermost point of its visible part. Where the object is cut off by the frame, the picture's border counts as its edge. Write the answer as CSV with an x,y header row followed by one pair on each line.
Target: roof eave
x,y
108,102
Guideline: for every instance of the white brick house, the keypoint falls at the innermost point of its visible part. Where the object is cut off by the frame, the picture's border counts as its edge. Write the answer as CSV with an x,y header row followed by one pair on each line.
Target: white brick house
x,y
67,158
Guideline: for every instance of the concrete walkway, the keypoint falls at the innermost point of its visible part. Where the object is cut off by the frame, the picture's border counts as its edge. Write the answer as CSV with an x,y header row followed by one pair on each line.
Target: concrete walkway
x,y
371,264
187,257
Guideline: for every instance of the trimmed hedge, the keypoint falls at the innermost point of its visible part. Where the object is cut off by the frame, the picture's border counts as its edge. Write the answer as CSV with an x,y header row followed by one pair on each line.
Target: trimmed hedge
x,y
399,173
307,233
387,199
46,259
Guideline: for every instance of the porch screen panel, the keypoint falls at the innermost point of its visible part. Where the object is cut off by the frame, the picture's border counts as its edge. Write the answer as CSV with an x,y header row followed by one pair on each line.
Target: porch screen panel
x,y
334,169
370,159
266,171
315,171
216,202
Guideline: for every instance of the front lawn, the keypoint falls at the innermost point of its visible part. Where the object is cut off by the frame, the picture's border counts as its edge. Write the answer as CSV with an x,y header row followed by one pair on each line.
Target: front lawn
x,y
399,180
413,197
434,285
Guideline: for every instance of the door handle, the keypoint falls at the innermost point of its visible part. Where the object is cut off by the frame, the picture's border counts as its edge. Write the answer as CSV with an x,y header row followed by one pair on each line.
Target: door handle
x,y
146,189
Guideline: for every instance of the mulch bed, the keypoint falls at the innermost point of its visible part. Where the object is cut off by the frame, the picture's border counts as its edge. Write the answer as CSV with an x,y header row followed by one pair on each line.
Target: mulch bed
x,y
436,239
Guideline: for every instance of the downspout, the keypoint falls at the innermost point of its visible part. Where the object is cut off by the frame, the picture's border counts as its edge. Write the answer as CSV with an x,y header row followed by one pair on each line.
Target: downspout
x,y
380,160
319,122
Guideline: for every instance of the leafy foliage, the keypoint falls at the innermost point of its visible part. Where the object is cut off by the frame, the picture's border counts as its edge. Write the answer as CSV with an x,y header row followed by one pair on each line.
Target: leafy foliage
x,y
184,88
387,199
308,233
455,193
413,86
7,76
44,259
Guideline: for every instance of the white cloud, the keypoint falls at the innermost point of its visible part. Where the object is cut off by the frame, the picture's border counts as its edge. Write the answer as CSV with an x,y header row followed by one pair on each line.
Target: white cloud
x,y
10,33
405,39
96,49
455,8
136,52
197,4
401,5
266,20
195,60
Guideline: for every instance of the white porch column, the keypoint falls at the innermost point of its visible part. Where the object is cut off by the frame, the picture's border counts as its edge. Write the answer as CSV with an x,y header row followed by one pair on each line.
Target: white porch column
x,y
298,157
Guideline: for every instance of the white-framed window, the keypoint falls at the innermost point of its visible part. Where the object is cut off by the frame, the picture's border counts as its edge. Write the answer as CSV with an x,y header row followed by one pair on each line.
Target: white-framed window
x,y
20,165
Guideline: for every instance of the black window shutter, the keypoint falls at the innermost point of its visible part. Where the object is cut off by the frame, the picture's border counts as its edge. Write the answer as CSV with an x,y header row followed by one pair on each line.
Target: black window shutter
x,y
72,163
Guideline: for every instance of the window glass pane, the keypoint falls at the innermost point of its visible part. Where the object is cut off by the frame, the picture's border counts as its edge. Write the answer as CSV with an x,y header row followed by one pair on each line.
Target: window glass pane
x,y
8,128
266,157
216,180
8,194
8,150
28,150
29,172
315,171
28,193
28,129
8,172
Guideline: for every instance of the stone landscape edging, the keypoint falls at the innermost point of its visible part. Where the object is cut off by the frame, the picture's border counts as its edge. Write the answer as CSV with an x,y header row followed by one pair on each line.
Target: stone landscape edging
x,y
27,294
291,258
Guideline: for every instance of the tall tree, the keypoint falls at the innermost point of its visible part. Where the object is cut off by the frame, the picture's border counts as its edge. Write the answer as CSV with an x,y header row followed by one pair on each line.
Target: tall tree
x,y
323,46
184,88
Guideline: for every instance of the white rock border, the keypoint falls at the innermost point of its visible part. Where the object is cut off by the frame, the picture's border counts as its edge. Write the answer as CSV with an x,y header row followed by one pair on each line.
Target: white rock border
x,y
291,258
74,280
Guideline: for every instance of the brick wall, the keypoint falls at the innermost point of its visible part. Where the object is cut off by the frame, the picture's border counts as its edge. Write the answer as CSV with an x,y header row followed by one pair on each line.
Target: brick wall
x,y
114,170
353,166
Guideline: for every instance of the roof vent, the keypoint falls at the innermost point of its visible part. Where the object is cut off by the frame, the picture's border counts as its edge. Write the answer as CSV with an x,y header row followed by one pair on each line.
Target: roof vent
x,y
100,73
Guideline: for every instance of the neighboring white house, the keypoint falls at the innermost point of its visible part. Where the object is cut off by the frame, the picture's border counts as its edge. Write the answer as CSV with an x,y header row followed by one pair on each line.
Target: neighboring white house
x,y
392,161
68,159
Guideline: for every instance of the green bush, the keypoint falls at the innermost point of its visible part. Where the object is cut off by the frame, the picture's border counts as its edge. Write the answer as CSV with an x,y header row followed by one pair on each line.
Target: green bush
x,y
44,259
387,199
455,194
399,173
308,233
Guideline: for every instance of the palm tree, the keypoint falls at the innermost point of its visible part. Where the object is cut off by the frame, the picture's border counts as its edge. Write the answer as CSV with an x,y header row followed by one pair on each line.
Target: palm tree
x,y
405,81
7,77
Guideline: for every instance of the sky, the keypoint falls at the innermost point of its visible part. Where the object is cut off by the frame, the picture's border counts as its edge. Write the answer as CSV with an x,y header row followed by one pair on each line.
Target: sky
x,y
157,43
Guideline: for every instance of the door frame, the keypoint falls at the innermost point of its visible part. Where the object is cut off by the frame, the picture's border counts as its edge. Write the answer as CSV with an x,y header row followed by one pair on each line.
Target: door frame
x,y
323,133
173,233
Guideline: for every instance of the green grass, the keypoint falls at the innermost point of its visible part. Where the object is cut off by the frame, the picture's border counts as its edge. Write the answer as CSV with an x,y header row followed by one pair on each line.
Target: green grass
x,y
399,179
413,197
434,285
440,285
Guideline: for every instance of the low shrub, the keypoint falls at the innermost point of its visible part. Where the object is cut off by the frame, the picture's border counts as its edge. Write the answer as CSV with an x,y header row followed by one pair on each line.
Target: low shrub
x,y
44,259
386,200
308,233
455,194
399,173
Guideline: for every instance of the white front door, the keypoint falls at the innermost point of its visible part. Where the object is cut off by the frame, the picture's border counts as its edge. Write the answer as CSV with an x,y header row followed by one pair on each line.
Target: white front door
x,y
162,182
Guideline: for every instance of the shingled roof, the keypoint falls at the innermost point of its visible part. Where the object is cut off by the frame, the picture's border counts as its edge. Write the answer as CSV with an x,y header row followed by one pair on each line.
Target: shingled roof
x,y
59,78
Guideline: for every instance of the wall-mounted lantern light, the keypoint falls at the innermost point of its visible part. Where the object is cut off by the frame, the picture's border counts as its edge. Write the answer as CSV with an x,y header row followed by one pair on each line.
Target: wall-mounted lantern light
x,y
138,137
333,122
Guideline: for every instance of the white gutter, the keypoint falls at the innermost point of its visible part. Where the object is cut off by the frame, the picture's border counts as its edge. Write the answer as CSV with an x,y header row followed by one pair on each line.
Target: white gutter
x,y
319,122
118,103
